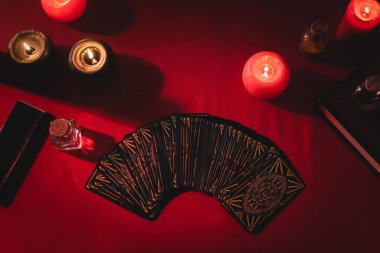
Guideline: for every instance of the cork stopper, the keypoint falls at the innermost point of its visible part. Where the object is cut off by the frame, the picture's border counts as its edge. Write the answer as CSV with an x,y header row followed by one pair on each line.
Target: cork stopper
x,y
59,127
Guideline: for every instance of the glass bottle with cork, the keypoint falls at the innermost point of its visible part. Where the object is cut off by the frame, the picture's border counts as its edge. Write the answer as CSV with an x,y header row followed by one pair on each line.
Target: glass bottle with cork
x,y
314,40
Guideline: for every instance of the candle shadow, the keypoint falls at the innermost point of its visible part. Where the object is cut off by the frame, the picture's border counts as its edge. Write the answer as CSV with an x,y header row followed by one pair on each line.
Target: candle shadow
x,y
105,17
94,145
350,53
128,91
334,54
304,90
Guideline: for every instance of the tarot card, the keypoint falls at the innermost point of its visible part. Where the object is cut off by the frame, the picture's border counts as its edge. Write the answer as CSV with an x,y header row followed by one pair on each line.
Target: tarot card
x,y
174,149
212,142
237,174
183,146
257,200
129,166
102,185
139,154
121,166
181,143
159,135
217,167
225,151
162,133
202,153
222,139
151,157
197,148
188,135
128,182
233,157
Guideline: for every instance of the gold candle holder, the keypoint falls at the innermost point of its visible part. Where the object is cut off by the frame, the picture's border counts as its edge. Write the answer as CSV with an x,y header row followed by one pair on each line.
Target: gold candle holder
x,y
89,56
29,47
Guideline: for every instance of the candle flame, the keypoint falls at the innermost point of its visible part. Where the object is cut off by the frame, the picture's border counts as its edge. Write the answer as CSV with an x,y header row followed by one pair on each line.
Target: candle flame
x,y
90,54
26,46
366,10
266,69
29,50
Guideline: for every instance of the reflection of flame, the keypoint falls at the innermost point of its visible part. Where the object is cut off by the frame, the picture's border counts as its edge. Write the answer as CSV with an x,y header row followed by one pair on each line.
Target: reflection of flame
x,y
26,46
87,143
60,3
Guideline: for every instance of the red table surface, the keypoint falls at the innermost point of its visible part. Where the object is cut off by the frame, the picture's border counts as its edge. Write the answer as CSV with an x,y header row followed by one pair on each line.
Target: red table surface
x,y
187,56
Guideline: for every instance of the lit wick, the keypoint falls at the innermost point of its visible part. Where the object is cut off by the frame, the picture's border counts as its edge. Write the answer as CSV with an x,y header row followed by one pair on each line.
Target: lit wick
x,y
366,11
265,74
91,56
29,49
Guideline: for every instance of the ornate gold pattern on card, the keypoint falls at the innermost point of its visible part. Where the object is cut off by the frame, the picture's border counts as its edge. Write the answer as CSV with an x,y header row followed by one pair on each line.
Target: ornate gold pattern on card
x,y
264,194
253,203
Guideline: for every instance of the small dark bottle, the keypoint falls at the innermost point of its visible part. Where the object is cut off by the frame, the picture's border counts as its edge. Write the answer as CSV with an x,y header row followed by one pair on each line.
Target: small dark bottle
x,y
315,38
368,94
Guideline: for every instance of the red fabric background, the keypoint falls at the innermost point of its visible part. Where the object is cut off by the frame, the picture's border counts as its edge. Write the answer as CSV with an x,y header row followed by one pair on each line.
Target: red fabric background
x,y
187,56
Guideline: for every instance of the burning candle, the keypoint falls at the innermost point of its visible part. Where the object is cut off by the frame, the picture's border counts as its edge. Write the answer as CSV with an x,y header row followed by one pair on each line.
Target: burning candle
x,y
361,17
29,47
89,56
64,10
266,75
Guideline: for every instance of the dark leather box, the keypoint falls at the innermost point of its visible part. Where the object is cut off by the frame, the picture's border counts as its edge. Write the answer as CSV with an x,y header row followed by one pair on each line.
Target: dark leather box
x,y
359,126
21,138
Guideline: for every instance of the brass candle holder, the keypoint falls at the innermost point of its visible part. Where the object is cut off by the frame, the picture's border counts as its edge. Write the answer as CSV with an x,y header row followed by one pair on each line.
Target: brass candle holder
x,y
90,56
30,47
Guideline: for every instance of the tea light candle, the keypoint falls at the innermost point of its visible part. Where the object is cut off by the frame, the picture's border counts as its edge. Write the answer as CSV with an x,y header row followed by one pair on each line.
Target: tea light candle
x,y
64,10
361,17
266,75
29,47
89,56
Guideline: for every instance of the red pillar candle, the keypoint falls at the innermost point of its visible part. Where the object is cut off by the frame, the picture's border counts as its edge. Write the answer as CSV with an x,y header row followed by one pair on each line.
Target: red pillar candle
x,y
64,10
361,17
266,75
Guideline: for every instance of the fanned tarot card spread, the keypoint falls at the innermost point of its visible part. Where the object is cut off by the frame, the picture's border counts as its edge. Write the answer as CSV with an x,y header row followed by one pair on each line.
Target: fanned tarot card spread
x,y
247,172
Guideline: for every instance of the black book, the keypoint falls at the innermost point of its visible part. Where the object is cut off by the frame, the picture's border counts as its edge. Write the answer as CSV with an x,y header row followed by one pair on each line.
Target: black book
x,y
21,139
357,119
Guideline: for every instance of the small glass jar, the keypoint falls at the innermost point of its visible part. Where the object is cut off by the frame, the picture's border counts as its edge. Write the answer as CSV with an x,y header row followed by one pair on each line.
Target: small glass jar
x,y
315,38
367,94
369,90
65,134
